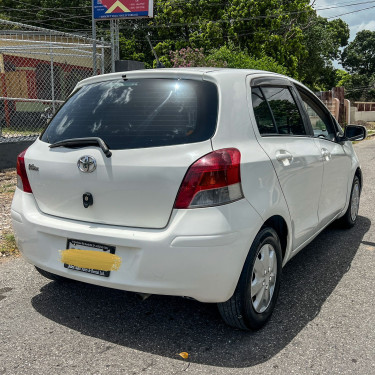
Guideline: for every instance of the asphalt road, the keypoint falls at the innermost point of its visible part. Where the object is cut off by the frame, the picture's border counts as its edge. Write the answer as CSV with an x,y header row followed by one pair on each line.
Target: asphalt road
x,y
324,322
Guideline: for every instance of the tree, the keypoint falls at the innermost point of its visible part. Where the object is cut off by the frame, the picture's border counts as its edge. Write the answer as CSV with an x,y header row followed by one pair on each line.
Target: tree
x,y
224,57
262,28
288,33
359,56
323,40
235,58
360,87
273,28
189,57
359,59
53,14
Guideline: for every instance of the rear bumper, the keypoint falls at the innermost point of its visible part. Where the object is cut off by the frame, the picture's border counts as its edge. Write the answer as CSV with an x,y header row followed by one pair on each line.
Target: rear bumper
x,y
200,254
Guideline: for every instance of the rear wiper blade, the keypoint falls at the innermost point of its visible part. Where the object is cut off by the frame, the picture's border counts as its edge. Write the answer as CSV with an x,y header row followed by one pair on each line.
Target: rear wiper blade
x,y
84,142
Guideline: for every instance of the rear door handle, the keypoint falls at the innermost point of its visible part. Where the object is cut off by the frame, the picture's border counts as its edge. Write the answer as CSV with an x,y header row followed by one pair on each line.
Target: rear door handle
x,y
284,157
326,154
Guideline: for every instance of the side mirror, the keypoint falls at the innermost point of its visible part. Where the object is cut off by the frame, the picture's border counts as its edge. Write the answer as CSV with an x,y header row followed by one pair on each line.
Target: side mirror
x,y
355,133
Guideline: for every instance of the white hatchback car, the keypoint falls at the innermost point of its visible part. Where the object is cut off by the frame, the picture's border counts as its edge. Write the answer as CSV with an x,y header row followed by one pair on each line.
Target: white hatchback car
x,y
190,182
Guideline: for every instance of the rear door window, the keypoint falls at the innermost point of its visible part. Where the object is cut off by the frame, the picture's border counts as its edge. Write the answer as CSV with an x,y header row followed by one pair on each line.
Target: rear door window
x,y
276,111
138,113
285,111
263,115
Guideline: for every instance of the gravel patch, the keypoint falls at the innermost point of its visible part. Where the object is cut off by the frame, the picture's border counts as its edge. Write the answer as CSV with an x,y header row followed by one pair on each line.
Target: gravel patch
x,y
8,181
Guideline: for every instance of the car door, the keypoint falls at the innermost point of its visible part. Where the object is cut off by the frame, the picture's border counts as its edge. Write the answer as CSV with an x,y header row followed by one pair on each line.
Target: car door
x,y
282,133
336,159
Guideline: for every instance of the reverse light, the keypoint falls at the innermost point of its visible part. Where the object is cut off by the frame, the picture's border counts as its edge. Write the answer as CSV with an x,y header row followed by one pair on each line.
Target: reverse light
x,y
214,179
22,179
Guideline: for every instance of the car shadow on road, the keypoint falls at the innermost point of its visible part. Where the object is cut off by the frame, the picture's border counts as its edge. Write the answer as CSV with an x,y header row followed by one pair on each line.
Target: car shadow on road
x,y
168,325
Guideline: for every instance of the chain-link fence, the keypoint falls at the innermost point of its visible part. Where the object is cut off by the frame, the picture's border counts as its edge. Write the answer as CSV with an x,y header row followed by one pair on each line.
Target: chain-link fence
x,y
38,70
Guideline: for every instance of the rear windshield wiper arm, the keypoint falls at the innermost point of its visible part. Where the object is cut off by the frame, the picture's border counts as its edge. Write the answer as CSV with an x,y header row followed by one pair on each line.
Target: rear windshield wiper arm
x,y
84,142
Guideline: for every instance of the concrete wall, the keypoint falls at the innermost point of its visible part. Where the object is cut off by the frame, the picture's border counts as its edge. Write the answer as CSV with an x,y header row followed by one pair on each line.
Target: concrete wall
x,y
9,152
356,115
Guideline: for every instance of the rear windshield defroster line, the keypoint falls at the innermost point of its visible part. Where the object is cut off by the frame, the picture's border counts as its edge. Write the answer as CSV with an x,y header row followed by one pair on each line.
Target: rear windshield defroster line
x,y
138,113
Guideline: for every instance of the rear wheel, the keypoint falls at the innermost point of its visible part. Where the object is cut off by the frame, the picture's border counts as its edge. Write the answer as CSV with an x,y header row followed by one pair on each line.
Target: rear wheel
x,y
257,290
51,276
351,214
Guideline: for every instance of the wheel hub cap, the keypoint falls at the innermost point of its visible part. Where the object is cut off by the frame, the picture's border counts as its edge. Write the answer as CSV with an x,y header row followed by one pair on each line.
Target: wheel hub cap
x,y
263,278
354,202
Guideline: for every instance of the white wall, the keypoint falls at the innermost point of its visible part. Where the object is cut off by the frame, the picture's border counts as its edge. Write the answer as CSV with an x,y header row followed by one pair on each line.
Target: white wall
x,y
355,115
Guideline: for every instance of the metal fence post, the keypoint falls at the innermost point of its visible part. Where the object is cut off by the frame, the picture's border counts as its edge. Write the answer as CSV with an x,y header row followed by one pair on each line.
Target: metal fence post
x,y
112,26
94,71
102,56
117,40
52,84
40,68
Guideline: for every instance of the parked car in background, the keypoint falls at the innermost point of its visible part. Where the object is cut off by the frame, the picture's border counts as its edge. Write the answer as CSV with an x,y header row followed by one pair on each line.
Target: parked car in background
x,y
197,182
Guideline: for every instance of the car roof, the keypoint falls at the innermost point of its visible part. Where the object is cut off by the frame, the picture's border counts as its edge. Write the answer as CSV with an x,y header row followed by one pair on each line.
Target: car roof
x,y
193,73
197,73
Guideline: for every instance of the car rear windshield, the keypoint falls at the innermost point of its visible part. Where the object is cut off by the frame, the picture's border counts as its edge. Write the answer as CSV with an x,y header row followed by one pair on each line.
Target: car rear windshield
x,y
138,113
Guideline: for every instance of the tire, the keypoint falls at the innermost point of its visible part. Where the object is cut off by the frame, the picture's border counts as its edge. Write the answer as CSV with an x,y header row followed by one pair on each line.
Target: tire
x,y
52,276
351,214
243,310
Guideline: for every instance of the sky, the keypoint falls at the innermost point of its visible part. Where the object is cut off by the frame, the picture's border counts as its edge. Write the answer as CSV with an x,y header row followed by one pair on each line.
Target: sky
x,y
356,19
360,20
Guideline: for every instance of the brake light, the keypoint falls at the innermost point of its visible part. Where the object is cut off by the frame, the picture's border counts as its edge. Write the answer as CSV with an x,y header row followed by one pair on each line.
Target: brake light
x,y
214,179
22,179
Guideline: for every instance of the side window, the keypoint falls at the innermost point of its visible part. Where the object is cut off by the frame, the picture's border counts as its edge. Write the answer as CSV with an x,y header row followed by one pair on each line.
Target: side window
x,y
262,113
320,118
287,118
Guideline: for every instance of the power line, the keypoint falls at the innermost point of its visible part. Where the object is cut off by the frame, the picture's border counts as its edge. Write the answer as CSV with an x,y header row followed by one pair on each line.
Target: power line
x,y
265,31
48,18
179,24
44,30
354,11
45,20
22,21
230,4
198,23
362,88
52,9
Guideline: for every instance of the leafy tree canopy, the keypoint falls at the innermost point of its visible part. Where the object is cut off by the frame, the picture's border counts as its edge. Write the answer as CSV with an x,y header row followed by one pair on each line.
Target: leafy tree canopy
x,y
286,32
71,16
360,87
224,57
359,56
323,40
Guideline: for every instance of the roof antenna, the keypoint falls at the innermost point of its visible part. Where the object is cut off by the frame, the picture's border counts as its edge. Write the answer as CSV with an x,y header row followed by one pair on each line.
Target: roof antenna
x,y
158,63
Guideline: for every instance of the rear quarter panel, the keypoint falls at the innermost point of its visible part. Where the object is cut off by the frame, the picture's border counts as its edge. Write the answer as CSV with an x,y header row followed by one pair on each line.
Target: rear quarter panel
x,y
260,185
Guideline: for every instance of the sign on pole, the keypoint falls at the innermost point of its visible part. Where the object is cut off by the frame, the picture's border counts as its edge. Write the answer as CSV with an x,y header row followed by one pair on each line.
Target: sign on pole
x,y
114,9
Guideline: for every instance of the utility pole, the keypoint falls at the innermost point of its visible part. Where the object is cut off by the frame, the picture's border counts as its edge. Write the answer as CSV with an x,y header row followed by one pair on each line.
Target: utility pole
x,y
158,63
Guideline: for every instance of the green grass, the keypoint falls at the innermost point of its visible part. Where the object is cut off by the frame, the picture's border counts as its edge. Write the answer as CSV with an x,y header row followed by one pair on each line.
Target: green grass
x,y
14,132
8,245
7,188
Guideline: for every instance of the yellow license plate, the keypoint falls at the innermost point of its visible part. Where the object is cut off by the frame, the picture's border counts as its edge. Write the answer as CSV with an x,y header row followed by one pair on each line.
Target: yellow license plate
x,y
90,257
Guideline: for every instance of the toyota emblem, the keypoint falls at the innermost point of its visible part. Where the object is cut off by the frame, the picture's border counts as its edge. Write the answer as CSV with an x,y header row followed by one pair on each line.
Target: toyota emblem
x,y
86,164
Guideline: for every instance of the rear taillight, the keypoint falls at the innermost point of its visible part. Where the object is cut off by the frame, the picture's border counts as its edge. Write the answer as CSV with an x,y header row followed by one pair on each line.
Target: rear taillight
x,y
22,179
212,180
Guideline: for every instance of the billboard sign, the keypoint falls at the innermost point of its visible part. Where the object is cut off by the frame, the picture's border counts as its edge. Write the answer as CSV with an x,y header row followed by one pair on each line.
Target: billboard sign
x,y
115,9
